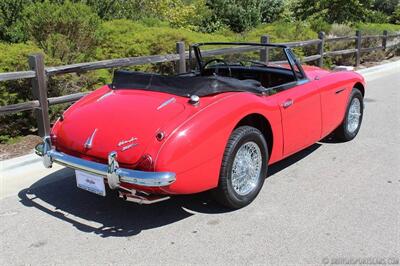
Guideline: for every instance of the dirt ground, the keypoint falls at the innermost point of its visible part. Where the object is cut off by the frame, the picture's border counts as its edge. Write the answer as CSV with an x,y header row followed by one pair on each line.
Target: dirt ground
x,y
22,147
371,64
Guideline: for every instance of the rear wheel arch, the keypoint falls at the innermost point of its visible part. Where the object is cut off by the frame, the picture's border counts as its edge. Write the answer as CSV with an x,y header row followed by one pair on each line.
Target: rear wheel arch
x,y
260,122
360,87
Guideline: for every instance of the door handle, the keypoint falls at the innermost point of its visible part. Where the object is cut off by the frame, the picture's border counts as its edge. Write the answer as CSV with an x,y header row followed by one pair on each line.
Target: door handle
x,y
287,103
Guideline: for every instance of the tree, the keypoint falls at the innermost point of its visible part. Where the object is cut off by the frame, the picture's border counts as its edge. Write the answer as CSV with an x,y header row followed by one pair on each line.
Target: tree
x,y
386,6
241,15
65,31
395,18
336,11
10,12
271,10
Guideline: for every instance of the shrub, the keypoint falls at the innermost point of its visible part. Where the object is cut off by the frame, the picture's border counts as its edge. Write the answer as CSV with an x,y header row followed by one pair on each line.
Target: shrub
x,y
238,15
385,6
16,91
318,24
126,38
395,18
117,9
341,30
271,10
374,28
282,32
65,31
339,11
377,17
10,12
12,92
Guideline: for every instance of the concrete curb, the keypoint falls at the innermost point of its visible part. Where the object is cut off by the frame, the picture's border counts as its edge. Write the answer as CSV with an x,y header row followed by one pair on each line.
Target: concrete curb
x,y
388,66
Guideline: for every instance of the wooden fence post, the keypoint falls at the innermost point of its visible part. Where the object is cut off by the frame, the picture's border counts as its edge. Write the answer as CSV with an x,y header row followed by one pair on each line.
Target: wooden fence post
x,y
358,47
321,36
181,64
39,89
264,55
384,39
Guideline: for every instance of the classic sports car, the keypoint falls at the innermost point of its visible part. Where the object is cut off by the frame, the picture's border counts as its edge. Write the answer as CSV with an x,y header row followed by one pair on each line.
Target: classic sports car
x,y
217,128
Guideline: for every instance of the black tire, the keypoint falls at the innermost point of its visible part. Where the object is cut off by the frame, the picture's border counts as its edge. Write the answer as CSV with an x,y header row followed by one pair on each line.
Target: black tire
x,y
342,133
225,193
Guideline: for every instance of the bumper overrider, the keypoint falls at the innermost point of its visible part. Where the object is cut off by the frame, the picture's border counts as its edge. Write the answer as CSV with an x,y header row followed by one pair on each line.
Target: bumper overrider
x,y
111,171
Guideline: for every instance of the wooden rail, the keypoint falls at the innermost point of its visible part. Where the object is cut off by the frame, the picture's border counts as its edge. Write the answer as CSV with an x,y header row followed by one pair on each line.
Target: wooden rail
x,y
39,73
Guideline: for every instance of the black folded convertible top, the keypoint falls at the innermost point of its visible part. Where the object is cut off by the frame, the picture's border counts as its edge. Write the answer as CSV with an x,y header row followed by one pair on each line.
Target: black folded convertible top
x,y
183,85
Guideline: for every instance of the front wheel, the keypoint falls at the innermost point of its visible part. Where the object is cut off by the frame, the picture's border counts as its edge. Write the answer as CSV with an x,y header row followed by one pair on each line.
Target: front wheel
x,y
243,169
351,124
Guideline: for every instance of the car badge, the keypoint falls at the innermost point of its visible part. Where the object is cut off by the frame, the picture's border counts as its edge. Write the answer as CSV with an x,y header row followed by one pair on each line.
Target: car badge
x,y
124,142
89,141
129,146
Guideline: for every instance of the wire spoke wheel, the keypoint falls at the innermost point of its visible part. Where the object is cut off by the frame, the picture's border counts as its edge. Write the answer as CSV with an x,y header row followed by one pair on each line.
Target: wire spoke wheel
x,y
246,168
353,117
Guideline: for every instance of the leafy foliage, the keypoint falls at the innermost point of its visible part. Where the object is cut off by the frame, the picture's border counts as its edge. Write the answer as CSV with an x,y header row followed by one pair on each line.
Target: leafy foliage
x,y
10,13
386,6
338,11
65,31
241,15
395,18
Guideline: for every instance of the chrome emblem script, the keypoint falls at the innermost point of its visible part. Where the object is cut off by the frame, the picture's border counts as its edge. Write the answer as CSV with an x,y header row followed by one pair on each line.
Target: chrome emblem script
x,y
127,144
89,142
124,142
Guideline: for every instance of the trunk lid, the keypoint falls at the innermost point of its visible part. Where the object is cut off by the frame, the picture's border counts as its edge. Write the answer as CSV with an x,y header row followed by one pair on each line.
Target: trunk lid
x,y
125,121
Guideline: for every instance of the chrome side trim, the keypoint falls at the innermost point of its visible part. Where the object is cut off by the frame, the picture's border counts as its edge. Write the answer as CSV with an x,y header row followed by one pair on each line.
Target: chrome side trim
x,y
172,100
104,96
114,174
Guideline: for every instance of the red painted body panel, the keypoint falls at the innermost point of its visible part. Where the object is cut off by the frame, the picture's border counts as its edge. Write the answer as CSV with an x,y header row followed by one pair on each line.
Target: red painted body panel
x,y
196,136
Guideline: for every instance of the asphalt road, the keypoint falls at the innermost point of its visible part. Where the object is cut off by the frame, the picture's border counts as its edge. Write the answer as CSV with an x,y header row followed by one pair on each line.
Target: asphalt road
x,y
327,204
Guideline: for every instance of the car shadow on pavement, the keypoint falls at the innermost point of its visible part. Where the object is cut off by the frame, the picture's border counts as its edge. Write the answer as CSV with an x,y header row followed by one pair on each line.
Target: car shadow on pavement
x,y
58,196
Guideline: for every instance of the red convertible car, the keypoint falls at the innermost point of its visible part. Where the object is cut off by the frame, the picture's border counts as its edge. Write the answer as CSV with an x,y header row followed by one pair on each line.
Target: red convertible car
x,y
217,128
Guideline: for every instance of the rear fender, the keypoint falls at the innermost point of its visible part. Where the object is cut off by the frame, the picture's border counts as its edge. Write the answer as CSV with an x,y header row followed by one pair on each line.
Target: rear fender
x,y
195,149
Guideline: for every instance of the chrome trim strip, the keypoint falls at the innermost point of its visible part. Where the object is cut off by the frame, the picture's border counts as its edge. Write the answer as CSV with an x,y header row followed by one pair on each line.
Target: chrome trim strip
x,y
111,171
104,96
89,142
172,100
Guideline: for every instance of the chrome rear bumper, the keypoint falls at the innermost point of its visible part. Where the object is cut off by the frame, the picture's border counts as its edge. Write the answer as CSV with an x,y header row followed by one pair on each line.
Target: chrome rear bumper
x,y
111,171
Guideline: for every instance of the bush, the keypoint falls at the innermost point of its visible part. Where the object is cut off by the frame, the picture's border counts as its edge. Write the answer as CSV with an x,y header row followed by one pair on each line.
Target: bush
x,y
395,18
117,9
238,15
339,11
377,17
271,10
243,15
65,31
318,24
12,92
10,13
17,91
341,30
385,6
282,32
374,28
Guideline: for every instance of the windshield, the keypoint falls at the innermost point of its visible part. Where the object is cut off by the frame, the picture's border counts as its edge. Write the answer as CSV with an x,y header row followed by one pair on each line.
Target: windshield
x,y
241,54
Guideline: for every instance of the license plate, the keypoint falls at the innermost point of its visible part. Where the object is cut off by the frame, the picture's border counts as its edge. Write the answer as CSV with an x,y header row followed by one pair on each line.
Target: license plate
x,y
90,182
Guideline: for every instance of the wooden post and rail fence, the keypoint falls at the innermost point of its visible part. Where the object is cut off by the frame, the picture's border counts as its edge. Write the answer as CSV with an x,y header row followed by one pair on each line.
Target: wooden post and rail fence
x,y
39,73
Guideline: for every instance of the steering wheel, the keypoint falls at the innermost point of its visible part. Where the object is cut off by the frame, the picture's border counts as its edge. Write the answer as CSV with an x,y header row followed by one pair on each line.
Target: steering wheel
x,y
216,67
